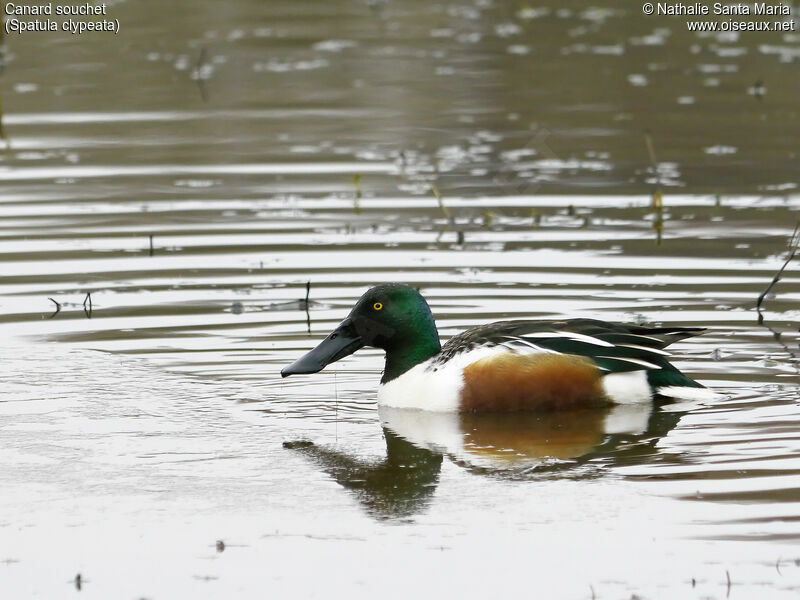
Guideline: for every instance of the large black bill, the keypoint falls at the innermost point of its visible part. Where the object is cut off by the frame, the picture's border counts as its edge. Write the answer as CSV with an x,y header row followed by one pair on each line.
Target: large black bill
x,y
342,342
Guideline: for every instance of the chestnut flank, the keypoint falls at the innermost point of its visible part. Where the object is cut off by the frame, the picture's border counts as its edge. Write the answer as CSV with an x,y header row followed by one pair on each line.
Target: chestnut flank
x,y
538,382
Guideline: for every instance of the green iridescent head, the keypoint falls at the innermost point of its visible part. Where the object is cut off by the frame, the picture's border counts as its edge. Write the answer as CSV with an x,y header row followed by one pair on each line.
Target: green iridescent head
x,y
393,317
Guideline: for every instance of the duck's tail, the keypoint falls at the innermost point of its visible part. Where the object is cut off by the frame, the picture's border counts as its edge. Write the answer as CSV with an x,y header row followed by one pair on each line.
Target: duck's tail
x,y
671,383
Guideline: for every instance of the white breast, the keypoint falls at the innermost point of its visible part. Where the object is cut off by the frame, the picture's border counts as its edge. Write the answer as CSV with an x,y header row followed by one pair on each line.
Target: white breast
x,y
435,388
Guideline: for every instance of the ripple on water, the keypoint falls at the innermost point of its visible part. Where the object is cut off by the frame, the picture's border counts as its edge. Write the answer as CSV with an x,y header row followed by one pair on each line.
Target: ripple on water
x,y
154,271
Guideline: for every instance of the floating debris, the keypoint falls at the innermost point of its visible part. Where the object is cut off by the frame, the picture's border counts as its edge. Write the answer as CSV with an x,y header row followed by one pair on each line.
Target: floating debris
x,y
757,90
721,149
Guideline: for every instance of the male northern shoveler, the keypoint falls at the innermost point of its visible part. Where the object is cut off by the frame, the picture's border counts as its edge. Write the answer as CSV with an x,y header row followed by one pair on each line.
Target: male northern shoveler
x,y
503,366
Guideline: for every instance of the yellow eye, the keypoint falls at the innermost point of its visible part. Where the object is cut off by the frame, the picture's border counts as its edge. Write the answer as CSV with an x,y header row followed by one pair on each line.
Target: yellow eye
x,y
377,306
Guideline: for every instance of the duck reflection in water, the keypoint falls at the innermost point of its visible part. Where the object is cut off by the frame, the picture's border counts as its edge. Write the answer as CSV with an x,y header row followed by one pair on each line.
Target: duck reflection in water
x,y
398,486
521,446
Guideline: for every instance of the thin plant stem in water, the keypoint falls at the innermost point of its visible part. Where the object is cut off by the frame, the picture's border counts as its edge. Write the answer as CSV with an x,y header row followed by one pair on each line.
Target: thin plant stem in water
x,y
58,308
3,135
336,407
440,200
308,314
199,73
87,310
651,151
357,193
794,241
657,200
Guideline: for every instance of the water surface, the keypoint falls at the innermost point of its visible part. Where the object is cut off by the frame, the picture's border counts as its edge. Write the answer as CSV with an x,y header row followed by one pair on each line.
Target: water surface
x,y
167,195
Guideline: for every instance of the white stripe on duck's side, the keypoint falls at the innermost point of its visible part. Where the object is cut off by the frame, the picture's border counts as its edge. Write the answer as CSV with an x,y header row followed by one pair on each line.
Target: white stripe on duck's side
x,y
688,393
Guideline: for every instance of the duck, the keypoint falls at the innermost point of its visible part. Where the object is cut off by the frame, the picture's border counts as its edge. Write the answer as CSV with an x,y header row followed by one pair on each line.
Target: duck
x,y
506,366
